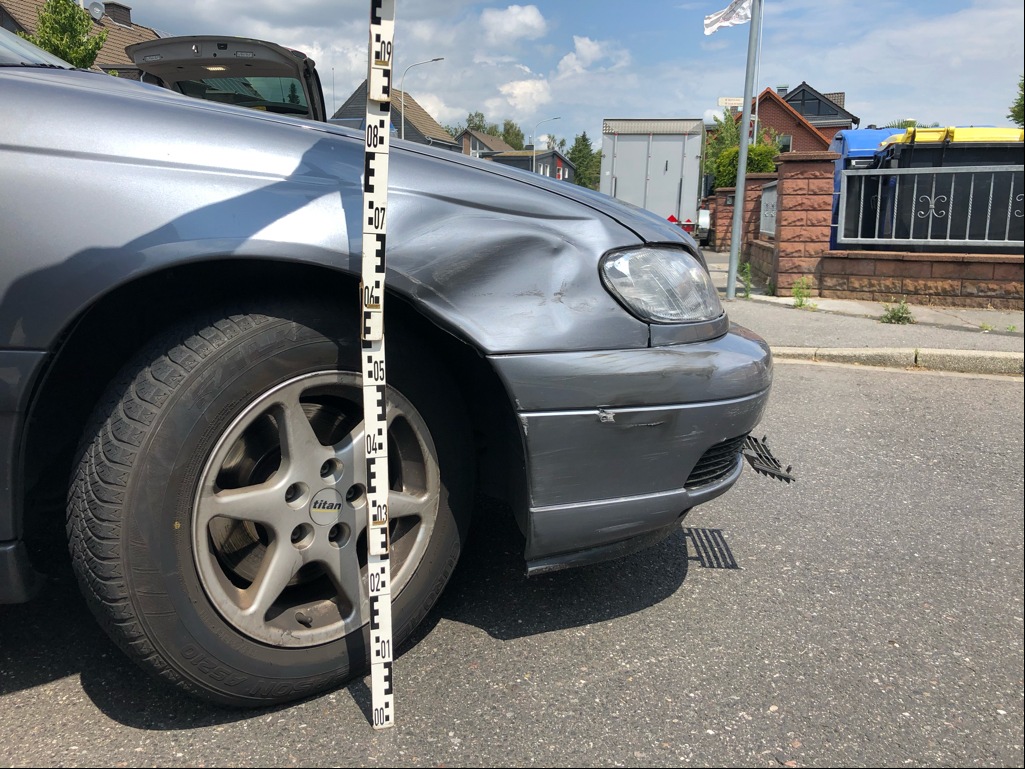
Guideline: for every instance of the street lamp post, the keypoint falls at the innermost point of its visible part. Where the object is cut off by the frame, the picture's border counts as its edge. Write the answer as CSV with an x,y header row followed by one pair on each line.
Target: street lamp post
x,y
402,90
533,143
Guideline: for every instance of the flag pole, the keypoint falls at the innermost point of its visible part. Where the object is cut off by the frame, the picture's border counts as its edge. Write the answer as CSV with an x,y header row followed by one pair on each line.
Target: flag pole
x,y
745,122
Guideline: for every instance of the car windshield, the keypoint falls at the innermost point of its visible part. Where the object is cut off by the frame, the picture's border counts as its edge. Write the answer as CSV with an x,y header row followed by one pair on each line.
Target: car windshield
x,y
18,52
272,94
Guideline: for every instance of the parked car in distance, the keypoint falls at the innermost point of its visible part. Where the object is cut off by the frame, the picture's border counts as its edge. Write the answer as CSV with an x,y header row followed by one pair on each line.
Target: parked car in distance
x,y
179,351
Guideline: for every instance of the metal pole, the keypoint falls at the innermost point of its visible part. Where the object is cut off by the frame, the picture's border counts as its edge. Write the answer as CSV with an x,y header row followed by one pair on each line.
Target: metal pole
x,y
402,91
533,144
745,121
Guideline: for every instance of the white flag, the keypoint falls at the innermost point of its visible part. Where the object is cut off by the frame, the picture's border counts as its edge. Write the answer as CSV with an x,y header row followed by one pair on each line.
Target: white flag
x,y
737,12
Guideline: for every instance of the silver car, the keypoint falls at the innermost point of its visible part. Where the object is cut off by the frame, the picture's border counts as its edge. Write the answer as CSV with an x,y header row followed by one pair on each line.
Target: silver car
x,y
179,359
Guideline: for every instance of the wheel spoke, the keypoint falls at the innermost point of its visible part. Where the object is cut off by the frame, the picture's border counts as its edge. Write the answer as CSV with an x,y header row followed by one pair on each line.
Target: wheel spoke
x,y
351,452
298,441
264,503
403,505
343,567
280,564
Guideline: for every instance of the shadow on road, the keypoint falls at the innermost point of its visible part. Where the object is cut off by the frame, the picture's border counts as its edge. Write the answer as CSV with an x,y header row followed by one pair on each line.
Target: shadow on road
x,y
55,636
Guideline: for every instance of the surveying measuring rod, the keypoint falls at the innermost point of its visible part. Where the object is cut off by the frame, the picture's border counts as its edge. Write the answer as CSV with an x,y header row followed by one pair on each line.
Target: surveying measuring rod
x,y
375,388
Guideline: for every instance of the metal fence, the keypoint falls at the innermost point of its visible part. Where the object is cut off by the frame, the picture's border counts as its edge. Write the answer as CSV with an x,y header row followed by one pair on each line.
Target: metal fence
x,y
767,219
957,206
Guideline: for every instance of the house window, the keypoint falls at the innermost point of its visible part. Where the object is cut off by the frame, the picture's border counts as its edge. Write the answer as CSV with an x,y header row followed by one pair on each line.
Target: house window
x,y
786,142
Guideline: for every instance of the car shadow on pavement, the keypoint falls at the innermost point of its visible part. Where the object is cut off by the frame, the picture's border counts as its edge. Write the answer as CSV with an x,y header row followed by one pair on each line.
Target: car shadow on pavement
x,y
55,636
490,589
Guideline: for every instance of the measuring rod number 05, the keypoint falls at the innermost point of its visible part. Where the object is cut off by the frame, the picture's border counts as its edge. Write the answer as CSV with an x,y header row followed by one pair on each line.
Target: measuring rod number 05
x,y
375,416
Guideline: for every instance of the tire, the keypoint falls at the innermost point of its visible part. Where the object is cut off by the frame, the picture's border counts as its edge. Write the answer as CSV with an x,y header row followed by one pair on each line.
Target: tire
x,y
217,514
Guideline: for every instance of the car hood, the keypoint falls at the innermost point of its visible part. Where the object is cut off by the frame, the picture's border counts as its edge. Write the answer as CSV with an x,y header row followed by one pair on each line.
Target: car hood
x,y
649,227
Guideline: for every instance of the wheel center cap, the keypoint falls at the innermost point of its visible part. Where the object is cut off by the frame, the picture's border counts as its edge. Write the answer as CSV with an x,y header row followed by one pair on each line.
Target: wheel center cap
x,y
325,507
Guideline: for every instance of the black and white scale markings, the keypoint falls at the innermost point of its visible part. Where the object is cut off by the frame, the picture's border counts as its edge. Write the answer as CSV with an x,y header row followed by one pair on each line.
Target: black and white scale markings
x,y
375,416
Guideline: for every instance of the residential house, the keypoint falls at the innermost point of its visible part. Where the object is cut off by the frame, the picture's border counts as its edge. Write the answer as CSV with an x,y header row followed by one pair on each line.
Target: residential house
x,y
419,125
794,132
23,16
825,111
481,145
550,162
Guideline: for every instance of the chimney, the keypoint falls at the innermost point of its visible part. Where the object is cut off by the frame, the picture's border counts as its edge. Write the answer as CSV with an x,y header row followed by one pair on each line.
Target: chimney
x,y
783,89
120,13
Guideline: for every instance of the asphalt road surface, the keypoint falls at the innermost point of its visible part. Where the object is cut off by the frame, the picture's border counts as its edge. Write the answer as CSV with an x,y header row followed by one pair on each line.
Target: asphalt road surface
x,y
869,615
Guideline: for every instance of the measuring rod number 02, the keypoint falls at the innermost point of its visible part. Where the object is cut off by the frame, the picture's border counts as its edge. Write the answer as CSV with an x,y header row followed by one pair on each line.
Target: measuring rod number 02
x,y
375,416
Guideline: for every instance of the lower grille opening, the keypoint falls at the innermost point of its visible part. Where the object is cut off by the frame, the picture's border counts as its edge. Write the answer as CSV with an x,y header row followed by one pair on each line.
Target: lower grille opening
x,y
716,463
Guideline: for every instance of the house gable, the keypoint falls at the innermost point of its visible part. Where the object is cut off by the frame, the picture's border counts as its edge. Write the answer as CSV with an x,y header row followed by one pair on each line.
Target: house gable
x,y
479,144
824,111
420,126
775,113
23,16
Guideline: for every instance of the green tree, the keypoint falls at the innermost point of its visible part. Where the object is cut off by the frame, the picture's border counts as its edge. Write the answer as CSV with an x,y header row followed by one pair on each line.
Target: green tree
x,y
1015,115
586,161
63,29
508,132
293,94
760,160
726,134
512,134
910,123
475,121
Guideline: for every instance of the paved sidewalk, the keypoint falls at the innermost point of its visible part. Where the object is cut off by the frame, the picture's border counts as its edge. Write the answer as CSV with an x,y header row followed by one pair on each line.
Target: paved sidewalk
x,y
847,331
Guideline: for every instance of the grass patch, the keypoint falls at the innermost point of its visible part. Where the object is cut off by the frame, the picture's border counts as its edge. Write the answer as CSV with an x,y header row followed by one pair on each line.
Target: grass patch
x,y
801,291
897,313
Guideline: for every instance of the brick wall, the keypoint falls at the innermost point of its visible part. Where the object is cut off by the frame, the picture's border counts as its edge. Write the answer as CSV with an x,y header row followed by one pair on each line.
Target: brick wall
x,y
722,224
801,250
762,255
723,212
803,215
952,280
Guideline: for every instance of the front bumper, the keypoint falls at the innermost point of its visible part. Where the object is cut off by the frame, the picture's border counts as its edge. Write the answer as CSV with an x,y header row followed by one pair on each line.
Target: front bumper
x,y
611,438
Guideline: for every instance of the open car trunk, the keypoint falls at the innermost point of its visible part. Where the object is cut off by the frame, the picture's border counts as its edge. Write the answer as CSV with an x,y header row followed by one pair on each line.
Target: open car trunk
x,y
234,70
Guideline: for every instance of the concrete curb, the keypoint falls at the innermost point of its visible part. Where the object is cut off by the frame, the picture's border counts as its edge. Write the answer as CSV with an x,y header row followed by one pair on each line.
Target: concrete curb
x,y
963,361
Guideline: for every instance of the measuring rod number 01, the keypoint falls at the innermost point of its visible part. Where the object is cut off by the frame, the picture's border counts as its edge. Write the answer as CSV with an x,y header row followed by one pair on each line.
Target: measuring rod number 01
x,y
375,388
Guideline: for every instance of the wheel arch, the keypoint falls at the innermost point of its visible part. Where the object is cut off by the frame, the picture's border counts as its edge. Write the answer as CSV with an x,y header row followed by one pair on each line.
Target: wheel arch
x,y
116,326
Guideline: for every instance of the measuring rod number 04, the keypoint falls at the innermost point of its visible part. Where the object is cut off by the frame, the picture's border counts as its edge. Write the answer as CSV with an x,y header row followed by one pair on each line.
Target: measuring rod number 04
x,y
375,388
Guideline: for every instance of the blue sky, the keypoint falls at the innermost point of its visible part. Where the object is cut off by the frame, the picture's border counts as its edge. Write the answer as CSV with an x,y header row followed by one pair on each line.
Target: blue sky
x,y
955,62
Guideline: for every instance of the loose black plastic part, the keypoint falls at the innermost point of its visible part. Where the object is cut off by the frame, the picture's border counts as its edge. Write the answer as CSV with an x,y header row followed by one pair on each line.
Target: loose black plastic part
x,y
757,453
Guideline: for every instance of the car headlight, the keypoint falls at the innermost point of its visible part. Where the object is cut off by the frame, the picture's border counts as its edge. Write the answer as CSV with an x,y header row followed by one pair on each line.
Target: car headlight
x,y
661,285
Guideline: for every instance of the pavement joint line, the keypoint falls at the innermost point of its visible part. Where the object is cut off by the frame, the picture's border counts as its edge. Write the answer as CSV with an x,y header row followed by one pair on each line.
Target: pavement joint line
x,y
926,359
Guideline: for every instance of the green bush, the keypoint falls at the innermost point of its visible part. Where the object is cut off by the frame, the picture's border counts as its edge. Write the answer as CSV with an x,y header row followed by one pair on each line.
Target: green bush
x,y
759,161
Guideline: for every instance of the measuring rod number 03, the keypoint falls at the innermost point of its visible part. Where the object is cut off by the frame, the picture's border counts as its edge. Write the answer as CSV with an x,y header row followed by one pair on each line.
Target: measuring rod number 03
x,y
375,416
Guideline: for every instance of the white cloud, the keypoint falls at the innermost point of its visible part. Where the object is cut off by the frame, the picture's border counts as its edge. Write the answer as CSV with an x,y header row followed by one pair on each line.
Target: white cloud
x,y
587,52
514,23
525,96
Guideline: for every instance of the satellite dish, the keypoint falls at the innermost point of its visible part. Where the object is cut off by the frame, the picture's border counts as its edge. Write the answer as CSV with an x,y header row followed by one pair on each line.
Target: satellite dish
x,y
96,10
